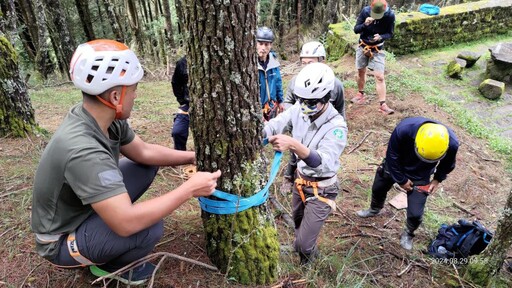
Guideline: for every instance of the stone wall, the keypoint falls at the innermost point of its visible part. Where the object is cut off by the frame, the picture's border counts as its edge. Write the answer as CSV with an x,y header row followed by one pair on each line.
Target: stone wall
x,y
415,31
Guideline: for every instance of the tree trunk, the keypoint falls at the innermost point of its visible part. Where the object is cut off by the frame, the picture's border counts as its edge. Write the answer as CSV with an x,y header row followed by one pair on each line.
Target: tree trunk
x,y
281,26
85,17
44,64
138,39
168,24
28,27
101,19
484,267
181,17
8,20
299,12
113,19
65,44
16,112
226,123
330,14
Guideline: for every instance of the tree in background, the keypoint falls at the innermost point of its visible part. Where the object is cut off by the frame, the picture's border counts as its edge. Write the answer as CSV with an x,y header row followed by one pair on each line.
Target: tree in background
x,y
484,267
226,124
16,112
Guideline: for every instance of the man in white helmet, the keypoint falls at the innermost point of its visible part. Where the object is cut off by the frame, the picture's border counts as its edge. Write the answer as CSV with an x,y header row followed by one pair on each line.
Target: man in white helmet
x,y
319,135
312,52
84,211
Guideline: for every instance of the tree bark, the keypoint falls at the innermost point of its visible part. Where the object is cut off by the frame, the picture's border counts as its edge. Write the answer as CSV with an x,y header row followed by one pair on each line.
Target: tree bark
x,y
85,17
168,23
43,63
28,26
113,19
483,268
135,25
16,112
181,17
226,123
64,42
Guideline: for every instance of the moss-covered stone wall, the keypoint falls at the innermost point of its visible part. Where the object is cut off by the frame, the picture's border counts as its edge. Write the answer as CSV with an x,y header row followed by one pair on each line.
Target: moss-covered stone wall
x,y
415,31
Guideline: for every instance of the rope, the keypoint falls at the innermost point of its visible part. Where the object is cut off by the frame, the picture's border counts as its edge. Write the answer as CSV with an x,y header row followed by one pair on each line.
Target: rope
x,y
231,204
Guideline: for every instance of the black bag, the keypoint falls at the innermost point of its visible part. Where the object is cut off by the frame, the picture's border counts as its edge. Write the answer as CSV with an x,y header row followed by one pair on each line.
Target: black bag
x,y
460,240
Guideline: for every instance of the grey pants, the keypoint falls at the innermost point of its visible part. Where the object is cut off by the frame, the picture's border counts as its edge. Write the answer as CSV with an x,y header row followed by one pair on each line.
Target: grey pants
x,y
98,243
309,217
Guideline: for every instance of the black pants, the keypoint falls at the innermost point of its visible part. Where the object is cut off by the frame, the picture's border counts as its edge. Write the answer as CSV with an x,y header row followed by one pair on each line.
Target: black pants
x,y
180,131
98,243
415,200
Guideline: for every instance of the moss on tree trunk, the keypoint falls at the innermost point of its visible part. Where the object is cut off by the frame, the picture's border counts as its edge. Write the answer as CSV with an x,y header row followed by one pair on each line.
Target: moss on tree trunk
x,y
226,123
483,269
16,112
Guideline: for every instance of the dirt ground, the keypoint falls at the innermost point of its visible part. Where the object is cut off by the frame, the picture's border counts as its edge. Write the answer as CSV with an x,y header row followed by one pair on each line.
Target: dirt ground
x,y
479,184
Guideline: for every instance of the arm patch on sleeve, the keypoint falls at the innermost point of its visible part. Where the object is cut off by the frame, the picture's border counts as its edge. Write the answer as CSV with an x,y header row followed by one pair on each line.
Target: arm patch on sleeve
x,y
338,133
110,176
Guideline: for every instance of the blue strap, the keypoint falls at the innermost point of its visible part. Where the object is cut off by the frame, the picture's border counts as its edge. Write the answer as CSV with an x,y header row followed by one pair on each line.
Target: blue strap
x,y
464,236
231,204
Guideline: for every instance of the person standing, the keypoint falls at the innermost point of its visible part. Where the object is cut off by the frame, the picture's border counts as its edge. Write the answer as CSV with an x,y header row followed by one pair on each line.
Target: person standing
x,y
84,209
270,82
181,124
312,52
375,25
418,148
319,136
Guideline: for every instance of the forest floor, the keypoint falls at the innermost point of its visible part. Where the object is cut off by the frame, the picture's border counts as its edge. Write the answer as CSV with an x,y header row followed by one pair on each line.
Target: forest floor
x,y
354,252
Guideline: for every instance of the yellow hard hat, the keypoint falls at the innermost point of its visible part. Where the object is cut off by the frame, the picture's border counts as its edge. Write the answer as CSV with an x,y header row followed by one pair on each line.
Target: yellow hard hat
x,y
432,142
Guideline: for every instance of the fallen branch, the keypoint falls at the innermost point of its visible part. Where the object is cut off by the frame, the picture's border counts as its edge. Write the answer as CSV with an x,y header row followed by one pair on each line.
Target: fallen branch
x,y
290,283
286,217
463,209
362,234
387,222
30,273
360,142
409,266
146,259
344,215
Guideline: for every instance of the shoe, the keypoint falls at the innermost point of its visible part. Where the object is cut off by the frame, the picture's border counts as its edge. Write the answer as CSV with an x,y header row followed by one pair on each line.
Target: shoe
x,y
359,99
384,108
406,240
368,213
137,276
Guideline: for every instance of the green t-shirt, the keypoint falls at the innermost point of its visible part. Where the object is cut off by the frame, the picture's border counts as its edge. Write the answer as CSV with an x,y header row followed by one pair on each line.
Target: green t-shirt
x,y
79,166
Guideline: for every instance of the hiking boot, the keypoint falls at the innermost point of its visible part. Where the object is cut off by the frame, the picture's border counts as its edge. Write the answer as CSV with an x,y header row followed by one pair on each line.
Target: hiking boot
x,y
137,276
406,240
384,109
359,99
368,213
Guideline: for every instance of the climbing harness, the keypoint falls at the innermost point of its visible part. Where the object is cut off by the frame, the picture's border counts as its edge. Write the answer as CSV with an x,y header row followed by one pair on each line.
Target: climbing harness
x,y
369,50
73,251
269,112
299,182
230,204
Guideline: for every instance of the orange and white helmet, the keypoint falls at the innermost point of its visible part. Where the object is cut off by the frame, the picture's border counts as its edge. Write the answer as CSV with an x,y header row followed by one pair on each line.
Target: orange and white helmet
x,y
99,65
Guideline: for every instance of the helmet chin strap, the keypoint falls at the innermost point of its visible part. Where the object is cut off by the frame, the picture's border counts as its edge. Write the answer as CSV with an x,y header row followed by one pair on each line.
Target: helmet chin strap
x,y
118,107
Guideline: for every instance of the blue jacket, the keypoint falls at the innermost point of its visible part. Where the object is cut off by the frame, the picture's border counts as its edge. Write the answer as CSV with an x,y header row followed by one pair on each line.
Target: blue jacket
x,y
385,26
275,83
402,161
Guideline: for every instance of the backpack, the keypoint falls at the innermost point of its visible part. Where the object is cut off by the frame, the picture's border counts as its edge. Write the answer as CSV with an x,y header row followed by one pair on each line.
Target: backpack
x,y
460,240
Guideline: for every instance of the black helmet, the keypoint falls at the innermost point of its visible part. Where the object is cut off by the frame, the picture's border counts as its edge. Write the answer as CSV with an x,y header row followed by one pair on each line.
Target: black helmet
x,y
264,34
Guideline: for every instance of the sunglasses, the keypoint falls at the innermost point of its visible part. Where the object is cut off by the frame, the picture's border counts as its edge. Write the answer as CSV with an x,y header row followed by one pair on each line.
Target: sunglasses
x,y
309,102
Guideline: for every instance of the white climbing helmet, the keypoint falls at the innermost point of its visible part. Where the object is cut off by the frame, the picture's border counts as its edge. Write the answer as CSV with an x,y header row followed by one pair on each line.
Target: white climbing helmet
x,y
314,81
313,49
99,65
